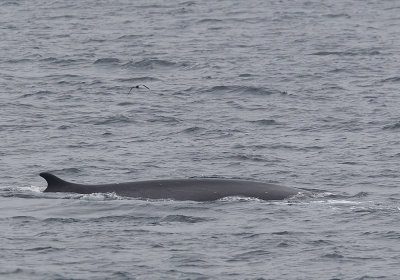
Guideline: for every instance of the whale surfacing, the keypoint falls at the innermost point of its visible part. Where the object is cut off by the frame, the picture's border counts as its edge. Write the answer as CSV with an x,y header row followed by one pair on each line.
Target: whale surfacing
x,y
177,189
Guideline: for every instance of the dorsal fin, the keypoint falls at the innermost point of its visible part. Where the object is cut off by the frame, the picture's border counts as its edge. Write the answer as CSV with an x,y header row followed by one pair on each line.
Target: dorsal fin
x,y
53,181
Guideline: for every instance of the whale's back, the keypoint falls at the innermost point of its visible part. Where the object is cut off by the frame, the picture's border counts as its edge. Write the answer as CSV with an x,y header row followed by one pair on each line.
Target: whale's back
x,y
203,189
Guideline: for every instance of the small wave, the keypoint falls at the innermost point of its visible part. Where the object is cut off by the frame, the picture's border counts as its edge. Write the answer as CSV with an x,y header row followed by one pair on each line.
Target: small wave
x,y
153,6
392,126
150,64
392,235
64,127
66,171
67,62
23,218
244,90
19,60
193,129
338,70
113,120
48,59
249,255
119,218
347,53
391,80
348,163
320,242
209,20
333,256
324,53
14,271
125,103
164,119
249,157
61,61
337,16
285,232
129,37
392,8
264,122
283,244
183,219
95,40
63,36
360,195
188,3
10,3
60,17
44,249
138,79
39,94
107,60
63,76
246,75
61,220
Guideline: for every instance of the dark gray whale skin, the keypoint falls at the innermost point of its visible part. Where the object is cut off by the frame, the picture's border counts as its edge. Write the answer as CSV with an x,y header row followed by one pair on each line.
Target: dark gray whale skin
x,y
179,189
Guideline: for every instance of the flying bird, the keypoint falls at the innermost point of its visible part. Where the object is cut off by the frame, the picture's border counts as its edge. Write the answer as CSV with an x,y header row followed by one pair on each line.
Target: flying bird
x,y
138,86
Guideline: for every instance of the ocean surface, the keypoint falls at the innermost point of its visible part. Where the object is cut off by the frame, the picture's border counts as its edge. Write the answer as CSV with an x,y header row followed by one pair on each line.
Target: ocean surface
x,y
299,93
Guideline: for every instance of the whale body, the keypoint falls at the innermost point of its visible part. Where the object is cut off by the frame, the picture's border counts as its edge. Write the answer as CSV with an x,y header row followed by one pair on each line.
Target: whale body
x,y
177,189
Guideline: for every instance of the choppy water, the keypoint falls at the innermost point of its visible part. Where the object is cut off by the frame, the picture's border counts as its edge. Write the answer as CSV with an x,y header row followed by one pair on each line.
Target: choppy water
x,y
303,93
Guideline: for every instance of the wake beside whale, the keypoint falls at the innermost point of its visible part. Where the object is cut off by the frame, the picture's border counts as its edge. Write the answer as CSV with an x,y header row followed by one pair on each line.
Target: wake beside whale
x,y
179,189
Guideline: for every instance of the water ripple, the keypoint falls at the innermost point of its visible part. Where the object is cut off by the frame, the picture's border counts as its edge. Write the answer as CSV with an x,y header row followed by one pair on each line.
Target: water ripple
x,y
150,64
107,61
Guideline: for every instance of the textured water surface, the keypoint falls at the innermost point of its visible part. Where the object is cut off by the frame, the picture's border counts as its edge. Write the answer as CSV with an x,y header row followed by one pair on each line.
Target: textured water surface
x,y
301,93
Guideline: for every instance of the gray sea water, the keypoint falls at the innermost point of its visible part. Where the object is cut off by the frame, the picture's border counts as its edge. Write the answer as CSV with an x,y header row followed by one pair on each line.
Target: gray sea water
x,y
300,93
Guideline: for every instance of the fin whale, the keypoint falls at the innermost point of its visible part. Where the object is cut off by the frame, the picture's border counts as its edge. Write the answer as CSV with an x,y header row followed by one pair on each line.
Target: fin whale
x,y
179,189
